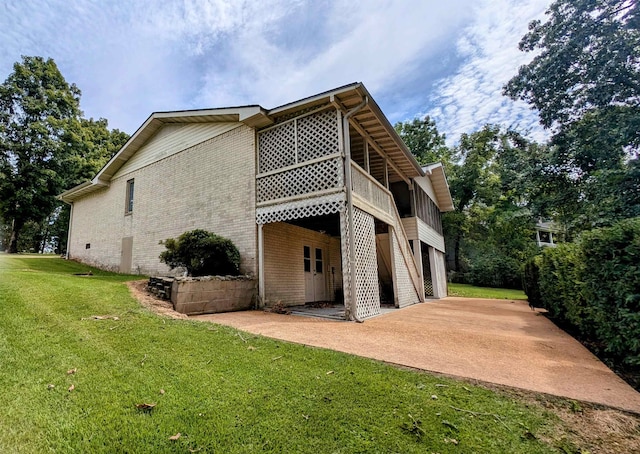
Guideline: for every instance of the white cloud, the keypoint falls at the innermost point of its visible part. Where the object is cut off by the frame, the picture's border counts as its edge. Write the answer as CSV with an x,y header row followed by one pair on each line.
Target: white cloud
x,y
472,96
132,58
375,42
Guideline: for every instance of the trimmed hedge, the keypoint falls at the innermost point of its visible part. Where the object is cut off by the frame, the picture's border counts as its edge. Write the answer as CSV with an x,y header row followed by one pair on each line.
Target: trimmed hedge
x,y
202,253
594,285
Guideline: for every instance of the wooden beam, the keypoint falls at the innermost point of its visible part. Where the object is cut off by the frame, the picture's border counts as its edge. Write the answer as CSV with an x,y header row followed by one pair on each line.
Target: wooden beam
x,y
379,150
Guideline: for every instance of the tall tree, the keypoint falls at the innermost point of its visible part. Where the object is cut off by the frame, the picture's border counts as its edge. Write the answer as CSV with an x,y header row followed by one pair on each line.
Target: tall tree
x,y
490,231
88,145
585,84
35,104
425,141
589,59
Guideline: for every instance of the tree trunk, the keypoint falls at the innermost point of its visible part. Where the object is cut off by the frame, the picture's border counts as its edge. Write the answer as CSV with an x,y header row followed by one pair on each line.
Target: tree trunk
x,y
456,253
15,234
45,237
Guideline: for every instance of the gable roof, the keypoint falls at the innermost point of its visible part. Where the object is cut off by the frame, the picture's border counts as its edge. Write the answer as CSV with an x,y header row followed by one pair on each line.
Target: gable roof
x,y
435,172
254,116
369,121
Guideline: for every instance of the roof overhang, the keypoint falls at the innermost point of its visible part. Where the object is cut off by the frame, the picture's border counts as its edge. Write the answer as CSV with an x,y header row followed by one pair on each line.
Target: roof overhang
x,y
440,186
252,116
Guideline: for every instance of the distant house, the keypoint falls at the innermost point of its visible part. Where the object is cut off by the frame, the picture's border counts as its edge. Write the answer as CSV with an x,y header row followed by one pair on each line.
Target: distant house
x,y
548,234
321,196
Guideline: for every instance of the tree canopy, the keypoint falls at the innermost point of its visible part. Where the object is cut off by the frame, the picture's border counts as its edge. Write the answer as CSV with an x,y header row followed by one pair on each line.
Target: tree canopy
x,y
589,59
585,84
45,145
424,140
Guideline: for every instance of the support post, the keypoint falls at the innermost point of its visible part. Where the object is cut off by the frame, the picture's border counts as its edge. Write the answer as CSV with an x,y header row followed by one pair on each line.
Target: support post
x,y
261,289
394,269
366,157
350,312
417,255
386,173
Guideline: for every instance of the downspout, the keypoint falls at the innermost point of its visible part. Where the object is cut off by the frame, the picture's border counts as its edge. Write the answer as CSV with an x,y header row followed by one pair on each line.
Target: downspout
x,y
347,179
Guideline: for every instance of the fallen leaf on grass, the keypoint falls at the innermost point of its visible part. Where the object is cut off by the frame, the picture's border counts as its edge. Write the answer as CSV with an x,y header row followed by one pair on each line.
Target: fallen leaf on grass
x,y
71,388
251,348
330,372
145,407
51,386
72,371
451,440
162,391
434,397
175,437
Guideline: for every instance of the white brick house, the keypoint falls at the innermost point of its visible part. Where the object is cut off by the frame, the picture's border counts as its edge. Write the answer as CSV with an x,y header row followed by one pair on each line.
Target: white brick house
x,y
321,197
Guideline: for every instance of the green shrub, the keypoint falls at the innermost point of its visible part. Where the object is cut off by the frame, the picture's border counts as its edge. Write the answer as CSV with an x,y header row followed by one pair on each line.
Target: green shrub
x,y
531,281
494,270
594,286
202,253
611,281
561,287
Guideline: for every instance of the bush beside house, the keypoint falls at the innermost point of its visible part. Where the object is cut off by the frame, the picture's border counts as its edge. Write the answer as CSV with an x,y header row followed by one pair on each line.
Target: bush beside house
x,y
593,285
202,253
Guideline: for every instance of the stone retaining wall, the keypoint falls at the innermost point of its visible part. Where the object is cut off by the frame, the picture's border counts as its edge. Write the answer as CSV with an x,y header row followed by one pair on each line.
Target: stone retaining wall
x,y
207,294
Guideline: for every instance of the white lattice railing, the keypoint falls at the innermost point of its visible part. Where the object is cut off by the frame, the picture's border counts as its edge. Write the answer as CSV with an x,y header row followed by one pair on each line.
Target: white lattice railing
x,y
368,188
299,180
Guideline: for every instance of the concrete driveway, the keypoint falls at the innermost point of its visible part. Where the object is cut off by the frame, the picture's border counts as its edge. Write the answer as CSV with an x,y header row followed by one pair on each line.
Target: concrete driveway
x,y
496,341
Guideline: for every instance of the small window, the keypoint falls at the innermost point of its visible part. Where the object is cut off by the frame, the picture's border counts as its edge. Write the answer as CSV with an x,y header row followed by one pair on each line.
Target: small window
x,y
307,259
129,205
319,265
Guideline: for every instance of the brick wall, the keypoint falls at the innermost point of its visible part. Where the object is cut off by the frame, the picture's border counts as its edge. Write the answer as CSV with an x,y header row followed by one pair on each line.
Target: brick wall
x,y
284,266
209,186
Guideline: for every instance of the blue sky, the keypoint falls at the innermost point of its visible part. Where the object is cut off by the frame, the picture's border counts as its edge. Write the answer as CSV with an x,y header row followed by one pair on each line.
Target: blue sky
x,y
417,57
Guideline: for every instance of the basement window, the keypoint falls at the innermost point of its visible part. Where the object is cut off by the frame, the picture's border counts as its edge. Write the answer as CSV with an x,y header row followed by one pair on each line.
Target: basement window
x,y
129,203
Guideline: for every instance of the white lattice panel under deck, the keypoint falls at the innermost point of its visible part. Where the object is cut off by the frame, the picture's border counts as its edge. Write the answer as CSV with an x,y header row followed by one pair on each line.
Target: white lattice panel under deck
x,y
406,290
366,272
299,209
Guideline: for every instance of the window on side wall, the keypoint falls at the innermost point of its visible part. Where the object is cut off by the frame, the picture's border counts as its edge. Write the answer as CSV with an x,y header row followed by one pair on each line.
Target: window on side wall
x,y
128,209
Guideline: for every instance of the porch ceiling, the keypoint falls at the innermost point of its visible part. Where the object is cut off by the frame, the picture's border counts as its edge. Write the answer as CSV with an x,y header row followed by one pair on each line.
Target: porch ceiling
x,y
379,131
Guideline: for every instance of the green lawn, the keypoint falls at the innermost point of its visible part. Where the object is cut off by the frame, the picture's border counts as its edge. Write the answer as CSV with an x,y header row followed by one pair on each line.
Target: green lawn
x,y
222,390
470,291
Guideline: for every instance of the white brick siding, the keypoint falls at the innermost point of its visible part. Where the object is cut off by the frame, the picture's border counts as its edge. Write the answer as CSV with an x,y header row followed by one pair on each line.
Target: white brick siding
x,y
210,186
284,266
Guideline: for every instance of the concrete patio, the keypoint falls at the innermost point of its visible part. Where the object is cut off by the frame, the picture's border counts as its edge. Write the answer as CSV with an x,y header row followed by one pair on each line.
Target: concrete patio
x,y
496,341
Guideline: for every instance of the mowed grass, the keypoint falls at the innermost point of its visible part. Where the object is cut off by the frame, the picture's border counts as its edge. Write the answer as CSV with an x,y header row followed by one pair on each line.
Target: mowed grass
x,y
470,291
221,390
